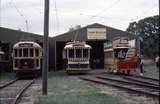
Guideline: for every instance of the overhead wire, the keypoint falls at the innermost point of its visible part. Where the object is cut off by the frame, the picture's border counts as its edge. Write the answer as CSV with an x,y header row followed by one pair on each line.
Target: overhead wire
x,y
20,13
107,8
56,17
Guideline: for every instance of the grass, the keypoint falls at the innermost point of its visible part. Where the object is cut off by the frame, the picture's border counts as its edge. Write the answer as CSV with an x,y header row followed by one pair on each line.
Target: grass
x,y
151,66
6,75
70,90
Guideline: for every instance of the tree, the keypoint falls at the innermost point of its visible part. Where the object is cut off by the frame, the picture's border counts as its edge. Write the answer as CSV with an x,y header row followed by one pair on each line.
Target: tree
x,y
148,30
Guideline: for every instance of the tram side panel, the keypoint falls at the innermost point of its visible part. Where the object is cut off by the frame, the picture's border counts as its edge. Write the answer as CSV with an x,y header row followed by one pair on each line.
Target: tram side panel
x,y
115,64
130,62
109,60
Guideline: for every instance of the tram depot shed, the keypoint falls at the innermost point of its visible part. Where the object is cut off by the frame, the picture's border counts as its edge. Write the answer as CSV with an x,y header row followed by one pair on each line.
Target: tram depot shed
x,y
94,35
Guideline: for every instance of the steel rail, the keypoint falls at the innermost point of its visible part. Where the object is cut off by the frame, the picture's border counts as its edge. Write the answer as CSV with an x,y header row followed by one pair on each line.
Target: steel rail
x,y
143,77
22,91
141,81
130,82
8,83
129,88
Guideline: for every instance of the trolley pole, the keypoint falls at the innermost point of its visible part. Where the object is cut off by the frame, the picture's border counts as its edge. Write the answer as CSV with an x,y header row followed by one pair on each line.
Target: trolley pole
x,y
45,49
138,47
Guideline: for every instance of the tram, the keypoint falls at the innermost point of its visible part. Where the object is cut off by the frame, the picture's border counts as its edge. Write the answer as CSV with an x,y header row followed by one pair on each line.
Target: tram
x,y
77,56
2,59
121,57
26,57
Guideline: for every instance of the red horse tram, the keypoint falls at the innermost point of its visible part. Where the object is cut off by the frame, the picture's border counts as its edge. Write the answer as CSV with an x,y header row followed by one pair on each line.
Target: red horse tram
x,y
121,56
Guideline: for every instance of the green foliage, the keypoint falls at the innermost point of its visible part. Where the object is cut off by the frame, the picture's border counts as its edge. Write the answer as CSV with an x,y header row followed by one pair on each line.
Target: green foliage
x,y
65,89
148,29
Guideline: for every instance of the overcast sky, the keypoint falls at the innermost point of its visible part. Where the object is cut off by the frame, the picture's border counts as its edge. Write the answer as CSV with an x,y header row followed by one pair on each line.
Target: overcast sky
x,y
27,15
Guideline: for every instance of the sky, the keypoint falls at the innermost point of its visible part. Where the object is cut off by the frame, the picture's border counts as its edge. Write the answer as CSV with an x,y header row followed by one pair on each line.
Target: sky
x,y
28,15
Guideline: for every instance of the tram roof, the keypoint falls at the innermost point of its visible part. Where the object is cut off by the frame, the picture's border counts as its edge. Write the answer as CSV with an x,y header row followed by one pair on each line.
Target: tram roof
x,y
82,33
1,53
36,45
71,45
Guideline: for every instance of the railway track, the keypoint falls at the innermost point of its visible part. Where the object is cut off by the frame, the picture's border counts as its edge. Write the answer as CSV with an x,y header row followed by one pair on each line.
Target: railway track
x,y
145,80
7,84
128,81
125,84
11,92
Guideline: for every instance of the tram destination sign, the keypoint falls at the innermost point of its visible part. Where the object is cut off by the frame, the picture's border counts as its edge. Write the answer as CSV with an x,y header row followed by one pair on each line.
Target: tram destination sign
x,y
96,33
25,45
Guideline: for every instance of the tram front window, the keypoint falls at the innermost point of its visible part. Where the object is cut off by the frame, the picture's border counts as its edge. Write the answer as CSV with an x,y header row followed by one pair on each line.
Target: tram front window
x,y
120,53
85,53
25,52
20,52
78,53
71,53
15,53
31,52
37,52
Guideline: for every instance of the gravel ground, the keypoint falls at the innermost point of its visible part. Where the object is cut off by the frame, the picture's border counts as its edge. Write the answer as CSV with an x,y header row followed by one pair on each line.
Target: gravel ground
x,y
129,98
32,92
35,90
149,71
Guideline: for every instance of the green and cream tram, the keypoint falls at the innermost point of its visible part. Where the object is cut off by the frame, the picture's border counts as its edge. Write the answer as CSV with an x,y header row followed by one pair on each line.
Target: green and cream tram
x,y
77,56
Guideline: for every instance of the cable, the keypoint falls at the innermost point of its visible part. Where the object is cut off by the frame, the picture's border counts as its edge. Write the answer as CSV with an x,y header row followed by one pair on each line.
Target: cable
x,y
19,12
56,18
109,7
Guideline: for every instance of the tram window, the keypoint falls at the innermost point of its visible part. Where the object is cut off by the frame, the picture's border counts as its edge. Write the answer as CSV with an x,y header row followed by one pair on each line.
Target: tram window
x,y
109,54
16,63
78,53
31,52
15,53
20,52
37,62
25,52
85,53
106,55
37,52
71,53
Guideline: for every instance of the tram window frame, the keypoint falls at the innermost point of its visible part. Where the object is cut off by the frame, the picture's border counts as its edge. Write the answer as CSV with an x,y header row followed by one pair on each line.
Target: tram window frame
x,y
78,53
25,52
37,52
71,53
85,53
109,54
31,51
20,52
15,52
37,62
16,63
